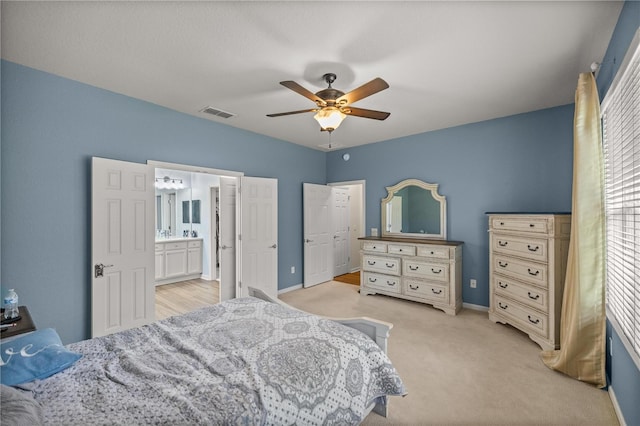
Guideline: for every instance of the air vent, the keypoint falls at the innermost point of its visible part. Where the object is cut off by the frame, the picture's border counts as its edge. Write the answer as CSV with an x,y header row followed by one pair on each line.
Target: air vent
x,y
217,112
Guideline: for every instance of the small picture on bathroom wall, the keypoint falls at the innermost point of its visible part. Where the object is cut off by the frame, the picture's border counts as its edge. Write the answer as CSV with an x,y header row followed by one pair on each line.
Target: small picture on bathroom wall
x,y
186,214
195,211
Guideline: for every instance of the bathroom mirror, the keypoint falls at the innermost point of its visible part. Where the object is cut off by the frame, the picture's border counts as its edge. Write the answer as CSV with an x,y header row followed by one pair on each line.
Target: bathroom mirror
x,y
414,209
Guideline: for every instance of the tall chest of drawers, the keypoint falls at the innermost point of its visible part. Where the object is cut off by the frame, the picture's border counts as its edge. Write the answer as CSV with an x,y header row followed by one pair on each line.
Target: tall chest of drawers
x,y
528,262
427,271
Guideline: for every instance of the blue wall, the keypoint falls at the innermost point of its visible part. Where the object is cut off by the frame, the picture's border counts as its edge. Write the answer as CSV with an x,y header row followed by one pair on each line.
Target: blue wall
x,y
517,163
52,126
622,372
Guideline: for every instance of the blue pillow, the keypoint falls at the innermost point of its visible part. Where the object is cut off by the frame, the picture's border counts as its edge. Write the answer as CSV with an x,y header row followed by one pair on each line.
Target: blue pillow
x,y
36,355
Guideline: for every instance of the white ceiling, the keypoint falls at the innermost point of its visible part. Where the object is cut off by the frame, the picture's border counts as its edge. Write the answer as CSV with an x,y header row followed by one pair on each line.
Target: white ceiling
x,y
447,62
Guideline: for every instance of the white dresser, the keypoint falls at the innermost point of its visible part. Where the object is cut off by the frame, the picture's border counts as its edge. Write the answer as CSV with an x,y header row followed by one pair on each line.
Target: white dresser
x,y
422,270
528,262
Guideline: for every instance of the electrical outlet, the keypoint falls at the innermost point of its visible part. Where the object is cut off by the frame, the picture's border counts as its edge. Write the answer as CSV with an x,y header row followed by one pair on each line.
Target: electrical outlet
x,y
293,269
472,283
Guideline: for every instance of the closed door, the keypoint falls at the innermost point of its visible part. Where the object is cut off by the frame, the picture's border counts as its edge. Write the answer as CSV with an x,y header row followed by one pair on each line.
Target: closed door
x,y
340,236
122,245
318,236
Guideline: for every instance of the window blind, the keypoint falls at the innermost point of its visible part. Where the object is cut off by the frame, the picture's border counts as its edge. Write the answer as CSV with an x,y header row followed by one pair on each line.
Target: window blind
x,y
621,146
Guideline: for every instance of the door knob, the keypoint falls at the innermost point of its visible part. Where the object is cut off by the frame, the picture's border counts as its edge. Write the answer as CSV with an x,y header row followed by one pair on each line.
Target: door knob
x,y
274,246
225,247
99,269
308,241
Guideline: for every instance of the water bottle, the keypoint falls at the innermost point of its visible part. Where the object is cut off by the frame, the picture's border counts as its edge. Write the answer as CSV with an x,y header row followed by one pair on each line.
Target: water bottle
x,y
11,304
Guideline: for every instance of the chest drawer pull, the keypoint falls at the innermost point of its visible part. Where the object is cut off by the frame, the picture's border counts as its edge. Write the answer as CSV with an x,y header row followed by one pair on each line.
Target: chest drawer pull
x,y
531,225
503,244
532,249
502,264
436,272
371,262
533,273
533,321
414,288
500,283
413,268
390,265
533,296
372,280
502,306
391,283
436,292
432,252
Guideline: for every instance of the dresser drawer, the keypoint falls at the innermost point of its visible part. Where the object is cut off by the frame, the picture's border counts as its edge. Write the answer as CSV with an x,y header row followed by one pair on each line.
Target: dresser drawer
x,y
532,225
527,294
524,270
159,247
386,265
433,252
528,318
194,244
530,248
424,290
375,247
405,250
382,282
421,269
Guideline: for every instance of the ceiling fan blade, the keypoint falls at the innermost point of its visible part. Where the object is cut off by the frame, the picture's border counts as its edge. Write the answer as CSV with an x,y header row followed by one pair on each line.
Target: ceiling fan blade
x,y
280,114
367,89
304,92
366,113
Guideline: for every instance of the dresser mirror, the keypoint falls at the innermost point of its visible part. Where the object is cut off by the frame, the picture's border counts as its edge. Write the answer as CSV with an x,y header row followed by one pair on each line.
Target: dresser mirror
x,y
414,209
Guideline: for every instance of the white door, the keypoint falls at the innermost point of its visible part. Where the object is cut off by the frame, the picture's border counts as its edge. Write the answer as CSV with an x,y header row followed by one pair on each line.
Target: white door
x,y
122,249
227,212
395,214
340,223
318,237
258,236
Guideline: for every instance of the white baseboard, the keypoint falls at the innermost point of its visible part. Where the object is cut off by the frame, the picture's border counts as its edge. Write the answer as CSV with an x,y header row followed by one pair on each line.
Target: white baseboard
x,y
475,307
288,289
616,407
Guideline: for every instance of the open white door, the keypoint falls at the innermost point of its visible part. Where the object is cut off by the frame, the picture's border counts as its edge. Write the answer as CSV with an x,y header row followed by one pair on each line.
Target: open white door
x,y
318,241
341,246
258,236
122,249
227,213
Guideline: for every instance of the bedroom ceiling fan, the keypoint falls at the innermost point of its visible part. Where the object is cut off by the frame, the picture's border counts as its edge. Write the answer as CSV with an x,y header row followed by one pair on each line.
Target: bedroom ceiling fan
x,y
333,105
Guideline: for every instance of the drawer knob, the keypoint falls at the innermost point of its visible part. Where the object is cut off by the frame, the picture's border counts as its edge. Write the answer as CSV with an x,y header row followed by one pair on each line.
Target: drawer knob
x,y
503,264
503,244
501,223
436,272
413,268
371,262
535,274
436,292
372,280
414,288
391,283
432,253
534,249
502,285
533,321
390,265
533,296
502,306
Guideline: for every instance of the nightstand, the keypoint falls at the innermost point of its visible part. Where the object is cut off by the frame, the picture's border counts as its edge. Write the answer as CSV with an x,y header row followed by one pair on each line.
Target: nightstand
x,y
23,325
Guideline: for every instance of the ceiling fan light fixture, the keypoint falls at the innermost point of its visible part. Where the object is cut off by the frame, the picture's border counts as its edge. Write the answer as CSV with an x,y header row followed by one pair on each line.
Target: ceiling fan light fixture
x,y
329,118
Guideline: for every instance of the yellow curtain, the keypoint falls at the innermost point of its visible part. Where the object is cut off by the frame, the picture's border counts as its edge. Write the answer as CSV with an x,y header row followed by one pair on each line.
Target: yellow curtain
x,y
582,333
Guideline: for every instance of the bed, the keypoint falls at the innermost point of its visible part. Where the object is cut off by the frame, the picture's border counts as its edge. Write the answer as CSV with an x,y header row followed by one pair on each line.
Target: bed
x,y
245,361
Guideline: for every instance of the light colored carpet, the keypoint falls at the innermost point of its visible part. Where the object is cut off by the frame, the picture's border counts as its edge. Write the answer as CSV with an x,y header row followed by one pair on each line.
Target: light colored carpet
x,y
463,369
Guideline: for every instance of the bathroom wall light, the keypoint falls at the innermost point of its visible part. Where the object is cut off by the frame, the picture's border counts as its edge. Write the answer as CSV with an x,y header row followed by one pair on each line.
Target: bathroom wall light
x,y
168,183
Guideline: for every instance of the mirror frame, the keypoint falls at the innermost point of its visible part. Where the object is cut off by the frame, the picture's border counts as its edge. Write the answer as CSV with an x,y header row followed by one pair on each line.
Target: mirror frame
x,y
433,188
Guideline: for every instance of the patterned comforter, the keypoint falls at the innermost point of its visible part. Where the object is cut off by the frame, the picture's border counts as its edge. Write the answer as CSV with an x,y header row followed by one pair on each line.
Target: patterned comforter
x,y
244,361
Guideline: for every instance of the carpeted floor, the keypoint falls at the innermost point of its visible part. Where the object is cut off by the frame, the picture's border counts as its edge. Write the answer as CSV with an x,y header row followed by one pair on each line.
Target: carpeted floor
x,y
463,369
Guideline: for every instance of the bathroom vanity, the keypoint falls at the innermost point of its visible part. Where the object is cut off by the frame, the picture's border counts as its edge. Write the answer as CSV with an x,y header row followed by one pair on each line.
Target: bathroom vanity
x,y
178,259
